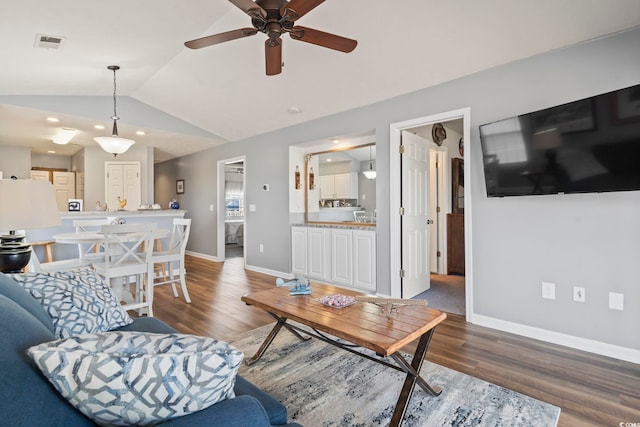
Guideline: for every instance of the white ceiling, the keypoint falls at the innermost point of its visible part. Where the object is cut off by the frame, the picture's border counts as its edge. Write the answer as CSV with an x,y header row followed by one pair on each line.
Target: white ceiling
x,y
221,94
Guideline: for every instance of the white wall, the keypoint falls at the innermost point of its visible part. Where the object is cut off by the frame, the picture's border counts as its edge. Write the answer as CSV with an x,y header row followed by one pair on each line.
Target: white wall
x,y
15,161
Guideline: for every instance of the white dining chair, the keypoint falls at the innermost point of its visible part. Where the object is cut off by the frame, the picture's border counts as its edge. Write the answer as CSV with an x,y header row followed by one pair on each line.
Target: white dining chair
x,y
91,251
173,256
127,254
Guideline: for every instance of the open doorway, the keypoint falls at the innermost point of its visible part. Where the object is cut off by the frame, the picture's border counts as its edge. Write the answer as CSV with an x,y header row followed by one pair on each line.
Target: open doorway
x,y
450,288
231,208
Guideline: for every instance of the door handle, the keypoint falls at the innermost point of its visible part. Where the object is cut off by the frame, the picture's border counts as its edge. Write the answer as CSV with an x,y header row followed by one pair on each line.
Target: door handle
x,y
429,221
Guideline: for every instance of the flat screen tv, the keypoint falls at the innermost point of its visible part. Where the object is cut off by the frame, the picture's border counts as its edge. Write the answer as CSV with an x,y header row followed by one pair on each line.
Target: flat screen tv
x,y
590,145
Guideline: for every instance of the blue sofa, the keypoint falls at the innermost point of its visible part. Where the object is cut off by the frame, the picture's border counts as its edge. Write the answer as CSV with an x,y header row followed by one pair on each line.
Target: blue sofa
x,y
28,399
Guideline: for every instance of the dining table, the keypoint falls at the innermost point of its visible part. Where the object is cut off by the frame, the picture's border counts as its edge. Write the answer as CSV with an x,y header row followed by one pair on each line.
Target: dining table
x,y
81,237
87,237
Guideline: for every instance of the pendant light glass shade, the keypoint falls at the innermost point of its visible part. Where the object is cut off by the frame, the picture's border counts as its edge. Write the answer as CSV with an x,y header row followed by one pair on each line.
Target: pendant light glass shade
x,y
371,173
114,144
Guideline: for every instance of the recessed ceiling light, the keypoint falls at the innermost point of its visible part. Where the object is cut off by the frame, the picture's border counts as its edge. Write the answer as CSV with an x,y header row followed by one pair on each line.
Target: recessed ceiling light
x,y
51,152
329,160
335,141
64,135
53,119
294,110
140,132
98,127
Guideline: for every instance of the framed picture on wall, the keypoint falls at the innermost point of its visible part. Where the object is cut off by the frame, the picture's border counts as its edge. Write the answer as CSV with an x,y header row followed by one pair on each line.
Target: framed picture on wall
x,y
180,186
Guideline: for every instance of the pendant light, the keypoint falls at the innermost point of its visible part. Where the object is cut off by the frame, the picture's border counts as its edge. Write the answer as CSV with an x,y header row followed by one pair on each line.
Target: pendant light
x,y
114,144
371,173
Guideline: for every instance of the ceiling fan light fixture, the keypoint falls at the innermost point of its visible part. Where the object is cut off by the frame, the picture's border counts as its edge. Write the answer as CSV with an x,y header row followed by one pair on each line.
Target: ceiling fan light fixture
x,y
114,144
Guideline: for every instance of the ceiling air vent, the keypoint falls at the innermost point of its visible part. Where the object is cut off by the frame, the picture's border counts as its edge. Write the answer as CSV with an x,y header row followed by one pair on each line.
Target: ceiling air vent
x,y
49,42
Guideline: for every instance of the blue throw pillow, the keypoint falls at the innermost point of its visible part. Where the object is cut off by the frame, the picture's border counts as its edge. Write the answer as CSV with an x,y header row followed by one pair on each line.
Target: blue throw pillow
x,y
138,378
79,302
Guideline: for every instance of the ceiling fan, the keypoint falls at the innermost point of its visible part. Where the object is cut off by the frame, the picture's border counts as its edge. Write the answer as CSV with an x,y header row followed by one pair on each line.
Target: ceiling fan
x,y
275,18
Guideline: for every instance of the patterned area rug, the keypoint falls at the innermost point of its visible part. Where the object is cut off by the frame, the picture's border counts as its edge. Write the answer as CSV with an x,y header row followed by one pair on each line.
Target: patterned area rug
x,y
323,385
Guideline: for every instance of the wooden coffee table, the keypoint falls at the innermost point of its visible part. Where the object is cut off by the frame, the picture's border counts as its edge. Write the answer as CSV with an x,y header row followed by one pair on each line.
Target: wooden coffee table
x,y
363,324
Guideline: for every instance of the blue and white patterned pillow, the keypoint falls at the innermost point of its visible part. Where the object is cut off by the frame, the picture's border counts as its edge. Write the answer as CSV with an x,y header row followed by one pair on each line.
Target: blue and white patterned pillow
x,y
78,301
137,378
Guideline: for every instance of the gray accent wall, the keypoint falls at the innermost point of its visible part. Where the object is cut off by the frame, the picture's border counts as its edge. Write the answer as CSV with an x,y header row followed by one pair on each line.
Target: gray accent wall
x,y
588,240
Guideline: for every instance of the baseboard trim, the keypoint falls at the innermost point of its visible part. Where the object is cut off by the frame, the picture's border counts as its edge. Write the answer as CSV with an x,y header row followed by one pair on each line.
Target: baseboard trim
x,y
204,256
269,272
592,346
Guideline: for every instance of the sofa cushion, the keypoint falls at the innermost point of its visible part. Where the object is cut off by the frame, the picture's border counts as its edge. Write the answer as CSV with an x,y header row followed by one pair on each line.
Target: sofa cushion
x,y
26,397
78,302
137,378
12,290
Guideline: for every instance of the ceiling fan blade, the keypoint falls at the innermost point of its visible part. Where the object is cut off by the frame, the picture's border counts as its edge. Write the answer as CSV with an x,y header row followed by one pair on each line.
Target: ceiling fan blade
x,y
250,8
273,56
295,9
220,38
320,38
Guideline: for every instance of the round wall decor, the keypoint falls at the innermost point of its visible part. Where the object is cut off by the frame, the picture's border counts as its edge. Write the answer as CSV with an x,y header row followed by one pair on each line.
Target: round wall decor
x,y
438,133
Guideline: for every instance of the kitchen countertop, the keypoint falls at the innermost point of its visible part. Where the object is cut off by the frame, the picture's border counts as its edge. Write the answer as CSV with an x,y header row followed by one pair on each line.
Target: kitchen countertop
x,y
140,213
346,225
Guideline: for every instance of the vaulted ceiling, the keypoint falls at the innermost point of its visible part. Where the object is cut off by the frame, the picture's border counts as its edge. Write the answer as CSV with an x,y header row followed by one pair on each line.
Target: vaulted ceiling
x,y
188,100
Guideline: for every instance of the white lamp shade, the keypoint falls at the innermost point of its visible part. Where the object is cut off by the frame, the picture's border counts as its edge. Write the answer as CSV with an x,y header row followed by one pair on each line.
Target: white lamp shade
x,y
27,204
114,144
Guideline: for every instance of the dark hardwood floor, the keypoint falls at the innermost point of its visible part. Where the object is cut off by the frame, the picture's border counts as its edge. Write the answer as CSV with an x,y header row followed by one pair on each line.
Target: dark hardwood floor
x,y
592,390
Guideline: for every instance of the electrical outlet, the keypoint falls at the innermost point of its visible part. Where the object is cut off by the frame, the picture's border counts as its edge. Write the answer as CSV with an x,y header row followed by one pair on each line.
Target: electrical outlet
x,y
261,248
578,294
548,290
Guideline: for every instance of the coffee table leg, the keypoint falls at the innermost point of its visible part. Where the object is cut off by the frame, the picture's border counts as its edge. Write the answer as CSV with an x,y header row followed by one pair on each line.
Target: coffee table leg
x,y
267,342
280,322
413,377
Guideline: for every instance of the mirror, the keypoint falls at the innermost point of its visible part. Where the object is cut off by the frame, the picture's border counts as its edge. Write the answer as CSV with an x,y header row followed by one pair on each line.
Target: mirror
x,y
337,190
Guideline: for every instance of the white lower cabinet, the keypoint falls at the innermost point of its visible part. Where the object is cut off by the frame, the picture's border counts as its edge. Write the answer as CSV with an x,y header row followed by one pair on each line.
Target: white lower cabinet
x,y
338,256
341,257
299,250
364,255
318,253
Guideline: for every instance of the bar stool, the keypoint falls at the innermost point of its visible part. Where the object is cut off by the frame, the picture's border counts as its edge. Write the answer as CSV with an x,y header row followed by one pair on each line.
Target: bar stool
x,y
174,254
48,256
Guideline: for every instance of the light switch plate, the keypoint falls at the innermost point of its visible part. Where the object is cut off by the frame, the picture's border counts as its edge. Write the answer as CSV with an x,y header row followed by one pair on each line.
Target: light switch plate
x,y
616,301
252,208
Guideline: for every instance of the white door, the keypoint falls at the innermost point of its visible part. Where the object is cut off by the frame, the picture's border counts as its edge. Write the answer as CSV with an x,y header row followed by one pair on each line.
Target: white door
x,y
414,222
64,185
123,181
436,210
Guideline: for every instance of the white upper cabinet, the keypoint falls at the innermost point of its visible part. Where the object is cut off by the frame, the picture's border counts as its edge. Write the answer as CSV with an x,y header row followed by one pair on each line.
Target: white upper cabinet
x,y
339,186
